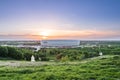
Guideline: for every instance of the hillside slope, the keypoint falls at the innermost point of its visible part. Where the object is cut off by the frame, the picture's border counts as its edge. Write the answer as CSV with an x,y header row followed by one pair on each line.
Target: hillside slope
x,y
99,68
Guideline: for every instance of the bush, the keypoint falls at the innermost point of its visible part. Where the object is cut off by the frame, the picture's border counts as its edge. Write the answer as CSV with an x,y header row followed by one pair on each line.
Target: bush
x,y
44,59
3,51
15,53
27,56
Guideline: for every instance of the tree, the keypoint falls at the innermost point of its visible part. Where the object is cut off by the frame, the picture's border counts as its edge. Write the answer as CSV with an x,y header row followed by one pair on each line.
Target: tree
x,y
59,56
3,51
65,59
15,53
27,54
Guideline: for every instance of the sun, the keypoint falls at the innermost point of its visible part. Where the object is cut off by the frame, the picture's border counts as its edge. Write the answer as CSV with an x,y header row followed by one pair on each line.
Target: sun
x,y
44,33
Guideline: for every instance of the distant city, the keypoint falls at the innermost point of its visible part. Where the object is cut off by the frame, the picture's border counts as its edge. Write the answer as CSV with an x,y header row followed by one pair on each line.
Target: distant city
x,y
38,44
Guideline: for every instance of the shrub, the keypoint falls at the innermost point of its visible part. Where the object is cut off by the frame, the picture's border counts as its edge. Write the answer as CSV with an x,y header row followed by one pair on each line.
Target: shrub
x,y
3,51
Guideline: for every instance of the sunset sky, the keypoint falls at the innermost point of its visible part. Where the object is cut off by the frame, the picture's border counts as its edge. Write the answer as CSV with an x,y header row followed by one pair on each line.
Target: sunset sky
x,y
60,19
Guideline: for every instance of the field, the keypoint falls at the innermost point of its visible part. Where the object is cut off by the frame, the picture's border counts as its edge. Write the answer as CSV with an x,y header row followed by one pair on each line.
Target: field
x,y
97,68
83,63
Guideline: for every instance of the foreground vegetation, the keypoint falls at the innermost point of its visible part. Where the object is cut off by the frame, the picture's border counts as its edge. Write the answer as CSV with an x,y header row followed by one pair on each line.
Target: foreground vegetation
x,y
83,63
104,68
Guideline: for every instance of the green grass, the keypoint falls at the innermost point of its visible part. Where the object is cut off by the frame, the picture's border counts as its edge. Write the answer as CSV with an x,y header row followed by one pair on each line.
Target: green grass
x,y
104,68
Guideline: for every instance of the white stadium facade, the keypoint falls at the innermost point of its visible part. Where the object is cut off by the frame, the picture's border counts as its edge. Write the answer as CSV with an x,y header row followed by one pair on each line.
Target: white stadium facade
x,y
60,43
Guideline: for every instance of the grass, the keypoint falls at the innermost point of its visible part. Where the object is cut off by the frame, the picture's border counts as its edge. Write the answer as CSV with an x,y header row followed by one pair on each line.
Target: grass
x,y
100,68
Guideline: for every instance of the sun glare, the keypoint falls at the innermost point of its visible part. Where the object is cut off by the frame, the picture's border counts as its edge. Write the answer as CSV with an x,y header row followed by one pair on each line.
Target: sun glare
x,y
44,34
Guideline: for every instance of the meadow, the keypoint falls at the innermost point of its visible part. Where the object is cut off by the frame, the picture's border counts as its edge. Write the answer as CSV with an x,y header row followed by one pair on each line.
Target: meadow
x,y
60,64
97,68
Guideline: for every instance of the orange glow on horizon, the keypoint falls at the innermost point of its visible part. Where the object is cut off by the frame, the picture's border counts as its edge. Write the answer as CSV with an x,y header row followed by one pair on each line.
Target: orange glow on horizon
x,y
68,34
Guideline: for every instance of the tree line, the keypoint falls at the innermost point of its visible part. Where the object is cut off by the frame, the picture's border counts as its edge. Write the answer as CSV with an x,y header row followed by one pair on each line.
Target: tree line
x,y
57,54
15,53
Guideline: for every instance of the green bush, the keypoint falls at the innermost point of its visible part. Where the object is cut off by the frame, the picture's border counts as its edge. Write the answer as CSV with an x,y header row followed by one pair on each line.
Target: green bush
x,y
3,51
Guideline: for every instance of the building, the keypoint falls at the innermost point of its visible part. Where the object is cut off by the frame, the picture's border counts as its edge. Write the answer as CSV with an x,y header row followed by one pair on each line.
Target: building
x,y
60,43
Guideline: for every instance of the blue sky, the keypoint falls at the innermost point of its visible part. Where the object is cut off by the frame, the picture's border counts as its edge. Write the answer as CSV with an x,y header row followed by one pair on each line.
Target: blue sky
x,y
28,18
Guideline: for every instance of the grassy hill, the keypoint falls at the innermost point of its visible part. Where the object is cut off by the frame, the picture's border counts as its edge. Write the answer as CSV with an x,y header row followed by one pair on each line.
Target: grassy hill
x,y
99,68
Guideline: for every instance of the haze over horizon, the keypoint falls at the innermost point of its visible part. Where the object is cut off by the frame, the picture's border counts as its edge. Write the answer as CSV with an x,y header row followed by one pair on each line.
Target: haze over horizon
x,y
60,19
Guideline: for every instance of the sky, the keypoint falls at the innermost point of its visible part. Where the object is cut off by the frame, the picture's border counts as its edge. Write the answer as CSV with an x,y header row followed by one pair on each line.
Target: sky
x,y
60,19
